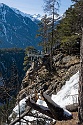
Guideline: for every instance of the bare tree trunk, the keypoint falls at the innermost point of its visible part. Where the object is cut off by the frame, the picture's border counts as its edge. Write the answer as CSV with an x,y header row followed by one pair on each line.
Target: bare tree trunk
x,y
52,38
19,111
80,91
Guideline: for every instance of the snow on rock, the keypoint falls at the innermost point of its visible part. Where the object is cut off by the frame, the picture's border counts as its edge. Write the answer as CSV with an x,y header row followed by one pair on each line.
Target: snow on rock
x,y
3,17
37,16
69,90
66,112
3,12
1,4
67,95
30,118
22,106
41,102
32,17
19,12
62,98
4,30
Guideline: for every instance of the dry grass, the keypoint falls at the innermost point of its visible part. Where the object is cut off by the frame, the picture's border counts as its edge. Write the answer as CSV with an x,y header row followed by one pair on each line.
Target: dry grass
x,y
69,122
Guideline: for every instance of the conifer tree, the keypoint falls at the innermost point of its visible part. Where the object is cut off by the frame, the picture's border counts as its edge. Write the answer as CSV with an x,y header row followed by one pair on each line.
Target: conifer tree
x,y
51,7
29,58
69,32
43,32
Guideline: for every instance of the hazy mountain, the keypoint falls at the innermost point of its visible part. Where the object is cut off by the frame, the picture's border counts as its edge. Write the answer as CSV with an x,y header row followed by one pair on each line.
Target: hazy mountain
x,y
17,29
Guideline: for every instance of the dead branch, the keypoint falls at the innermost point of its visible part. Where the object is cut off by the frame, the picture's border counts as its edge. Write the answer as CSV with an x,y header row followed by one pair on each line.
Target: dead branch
x,y
53,111
21,116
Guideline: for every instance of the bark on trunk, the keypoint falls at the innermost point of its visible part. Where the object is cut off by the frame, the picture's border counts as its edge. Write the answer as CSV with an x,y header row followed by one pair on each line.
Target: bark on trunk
x,y
40,108
80,91
58,112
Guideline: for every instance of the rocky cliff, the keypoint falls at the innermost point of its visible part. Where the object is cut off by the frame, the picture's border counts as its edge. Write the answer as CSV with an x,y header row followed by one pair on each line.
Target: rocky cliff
x,y
39,78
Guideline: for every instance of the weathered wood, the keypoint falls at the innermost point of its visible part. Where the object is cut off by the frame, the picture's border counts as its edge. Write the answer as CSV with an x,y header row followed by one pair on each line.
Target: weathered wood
x,y
54,110
21,116
40,108
57,112
80,90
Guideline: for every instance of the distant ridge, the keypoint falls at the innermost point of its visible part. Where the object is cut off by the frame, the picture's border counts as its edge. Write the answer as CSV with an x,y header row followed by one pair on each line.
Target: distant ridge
x,y
17,29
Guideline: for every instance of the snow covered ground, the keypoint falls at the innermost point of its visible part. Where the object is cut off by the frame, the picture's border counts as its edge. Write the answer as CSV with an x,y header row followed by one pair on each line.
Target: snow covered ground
x,y
67,95
69,92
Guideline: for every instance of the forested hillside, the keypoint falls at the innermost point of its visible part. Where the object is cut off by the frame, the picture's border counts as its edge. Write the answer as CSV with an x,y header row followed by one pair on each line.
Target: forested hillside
x,y
10,56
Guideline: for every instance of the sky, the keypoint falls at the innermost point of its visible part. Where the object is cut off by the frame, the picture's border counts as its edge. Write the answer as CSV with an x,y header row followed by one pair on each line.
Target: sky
x,y
34,6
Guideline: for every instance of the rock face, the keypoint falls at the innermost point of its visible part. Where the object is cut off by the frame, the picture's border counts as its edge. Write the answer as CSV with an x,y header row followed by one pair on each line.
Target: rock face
x,y
40,78
16,29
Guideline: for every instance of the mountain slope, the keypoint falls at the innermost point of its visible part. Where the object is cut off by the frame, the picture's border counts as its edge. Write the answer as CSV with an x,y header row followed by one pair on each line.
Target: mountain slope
x,y
16,30
70,86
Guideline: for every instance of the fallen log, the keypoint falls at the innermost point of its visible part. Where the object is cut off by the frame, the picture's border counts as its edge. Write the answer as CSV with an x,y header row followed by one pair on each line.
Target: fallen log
x,y
32,104
58,112
53,110
40,108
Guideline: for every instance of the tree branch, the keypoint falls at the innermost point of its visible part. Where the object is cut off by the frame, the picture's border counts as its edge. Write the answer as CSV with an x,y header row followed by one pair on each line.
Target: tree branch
x,y
18,119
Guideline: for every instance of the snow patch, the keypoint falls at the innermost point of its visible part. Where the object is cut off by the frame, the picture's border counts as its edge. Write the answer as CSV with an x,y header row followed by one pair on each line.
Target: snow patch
x,y
32,17
4,30
22,104
3,16
64,96
1,4
41,102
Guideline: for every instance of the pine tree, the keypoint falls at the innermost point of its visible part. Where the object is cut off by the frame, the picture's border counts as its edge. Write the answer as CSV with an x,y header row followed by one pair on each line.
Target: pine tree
x,y
51,7
43,32
69,32
29,57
